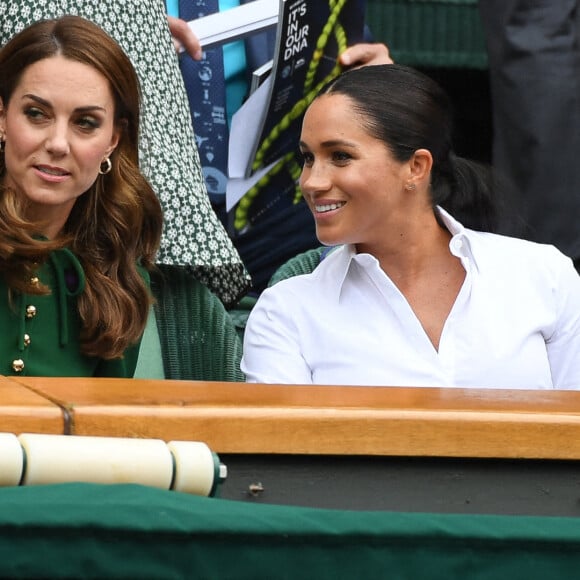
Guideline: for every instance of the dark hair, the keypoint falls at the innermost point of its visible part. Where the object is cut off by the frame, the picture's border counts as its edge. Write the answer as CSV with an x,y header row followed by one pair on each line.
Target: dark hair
x,y
408,110
115,226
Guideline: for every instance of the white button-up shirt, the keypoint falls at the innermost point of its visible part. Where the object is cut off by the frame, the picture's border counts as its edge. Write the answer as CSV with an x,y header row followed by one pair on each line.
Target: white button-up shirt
x,y
515,322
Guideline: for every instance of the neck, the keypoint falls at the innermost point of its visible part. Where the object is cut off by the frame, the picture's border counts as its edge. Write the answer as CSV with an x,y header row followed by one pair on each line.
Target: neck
x,y
416,245
50,219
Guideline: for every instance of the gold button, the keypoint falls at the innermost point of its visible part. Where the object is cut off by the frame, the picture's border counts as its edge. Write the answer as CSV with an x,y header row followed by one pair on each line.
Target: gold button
x,y
18,365
27,340
30,311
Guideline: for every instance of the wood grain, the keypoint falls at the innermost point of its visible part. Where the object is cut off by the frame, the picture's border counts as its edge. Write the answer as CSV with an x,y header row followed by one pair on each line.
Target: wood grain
x,y
22,410
281,419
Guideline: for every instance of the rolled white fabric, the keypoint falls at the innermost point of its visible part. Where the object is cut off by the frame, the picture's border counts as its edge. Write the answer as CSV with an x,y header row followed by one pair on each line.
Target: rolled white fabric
x,y
11,460
66,458
195,467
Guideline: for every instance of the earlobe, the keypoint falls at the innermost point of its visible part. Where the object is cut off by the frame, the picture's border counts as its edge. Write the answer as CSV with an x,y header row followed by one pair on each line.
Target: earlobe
x,y
418,169
111,149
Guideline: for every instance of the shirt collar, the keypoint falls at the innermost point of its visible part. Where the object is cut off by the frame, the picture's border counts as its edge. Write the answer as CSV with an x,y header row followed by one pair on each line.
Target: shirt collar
x,y
459,246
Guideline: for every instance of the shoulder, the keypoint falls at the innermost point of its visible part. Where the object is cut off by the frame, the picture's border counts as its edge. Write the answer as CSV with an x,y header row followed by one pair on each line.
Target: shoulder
x,y
302,294
492,252
507,251
534,268
330,263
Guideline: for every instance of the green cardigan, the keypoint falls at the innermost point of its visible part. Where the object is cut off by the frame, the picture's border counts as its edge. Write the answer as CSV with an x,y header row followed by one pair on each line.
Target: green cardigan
x,y
39,335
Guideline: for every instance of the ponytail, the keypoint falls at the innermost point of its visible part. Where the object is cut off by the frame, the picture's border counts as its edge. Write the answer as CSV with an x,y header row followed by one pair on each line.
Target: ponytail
x,y
468,190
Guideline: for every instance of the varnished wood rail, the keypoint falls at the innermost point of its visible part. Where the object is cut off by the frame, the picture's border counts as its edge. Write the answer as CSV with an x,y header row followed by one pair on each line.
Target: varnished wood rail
x,y
23,410
321,420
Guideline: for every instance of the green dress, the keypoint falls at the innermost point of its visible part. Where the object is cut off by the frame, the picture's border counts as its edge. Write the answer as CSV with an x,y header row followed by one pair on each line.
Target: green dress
x,y
39,335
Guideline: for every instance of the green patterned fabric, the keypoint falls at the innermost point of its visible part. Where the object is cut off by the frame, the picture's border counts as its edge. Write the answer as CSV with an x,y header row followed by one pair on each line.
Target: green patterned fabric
x,y
197,335
193,235
130,531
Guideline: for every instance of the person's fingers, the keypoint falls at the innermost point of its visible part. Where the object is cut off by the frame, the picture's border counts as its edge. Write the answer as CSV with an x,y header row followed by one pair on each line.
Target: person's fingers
x,y
366,54
184,37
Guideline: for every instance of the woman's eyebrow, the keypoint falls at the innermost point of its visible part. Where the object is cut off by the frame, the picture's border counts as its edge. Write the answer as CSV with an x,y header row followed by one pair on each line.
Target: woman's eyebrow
x,y
332,143
44,102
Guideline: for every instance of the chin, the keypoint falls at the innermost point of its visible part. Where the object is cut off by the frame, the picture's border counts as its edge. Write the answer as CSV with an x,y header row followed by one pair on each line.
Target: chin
x,y
329,240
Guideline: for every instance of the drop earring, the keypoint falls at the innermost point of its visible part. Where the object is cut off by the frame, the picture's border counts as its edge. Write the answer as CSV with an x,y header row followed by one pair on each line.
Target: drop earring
x,y
106,166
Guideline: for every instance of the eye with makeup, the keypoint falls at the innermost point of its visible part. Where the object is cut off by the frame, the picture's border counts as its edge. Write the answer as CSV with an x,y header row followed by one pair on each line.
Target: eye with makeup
x,y
34,114
88,123
341,157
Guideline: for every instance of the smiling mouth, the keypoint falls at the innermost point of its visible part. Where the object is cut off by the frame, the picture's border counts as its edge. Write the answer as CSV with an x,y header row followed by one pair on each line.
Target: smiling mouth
x,y
329,207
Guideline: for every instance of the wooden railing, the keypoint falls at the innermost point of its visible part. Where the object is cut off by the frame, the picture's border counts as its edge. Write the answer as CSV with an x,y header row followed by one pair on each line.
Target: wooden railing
x,y
306,420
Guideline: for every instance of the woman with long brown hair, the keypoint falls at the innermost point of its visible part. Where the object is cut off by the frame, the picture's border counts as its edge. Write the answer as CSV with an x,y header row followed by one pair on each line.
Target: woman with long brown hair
x,y
79,223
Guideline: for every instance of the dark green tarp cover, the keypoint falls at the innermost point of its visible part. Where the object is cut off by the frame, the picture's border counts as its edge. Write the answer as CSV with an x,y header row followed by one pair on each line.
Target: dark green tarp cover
x,y
131,531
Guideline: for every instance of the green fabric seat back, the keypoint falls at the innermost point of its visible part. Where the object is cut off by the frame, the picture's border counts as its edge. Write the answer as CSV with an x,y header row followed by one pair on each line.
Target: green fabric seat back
x,y
302,263
197,335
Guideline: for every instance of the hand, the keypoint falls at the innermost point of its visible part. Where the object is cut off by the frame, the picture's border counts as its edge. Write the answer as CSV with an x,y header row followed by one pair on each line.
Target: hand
x,y
184,37
364,54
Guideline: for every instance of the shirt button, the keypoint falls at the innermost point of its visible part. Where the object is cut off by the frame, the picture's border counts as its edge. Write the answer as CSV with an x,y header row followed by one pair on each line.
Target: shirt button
x,y
457,245
27,340
30,311
18,365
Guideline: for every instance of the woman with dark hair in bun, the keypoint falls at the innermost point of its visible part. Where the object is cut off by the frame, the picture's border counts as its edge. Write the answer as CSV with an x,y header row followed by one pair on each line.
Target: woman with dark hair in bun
x,y
419,291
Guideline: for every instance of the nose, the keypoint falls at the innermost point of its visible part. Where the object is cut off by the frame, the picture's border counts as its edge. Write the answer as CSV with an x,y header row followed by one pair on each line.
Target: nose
x,y
314,179
57,140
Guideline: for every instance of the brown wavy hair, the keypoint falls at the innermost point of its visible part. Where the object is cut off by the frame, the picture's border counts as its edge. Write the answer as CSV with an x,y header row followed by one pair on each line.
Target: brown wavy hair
x,y
114,228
